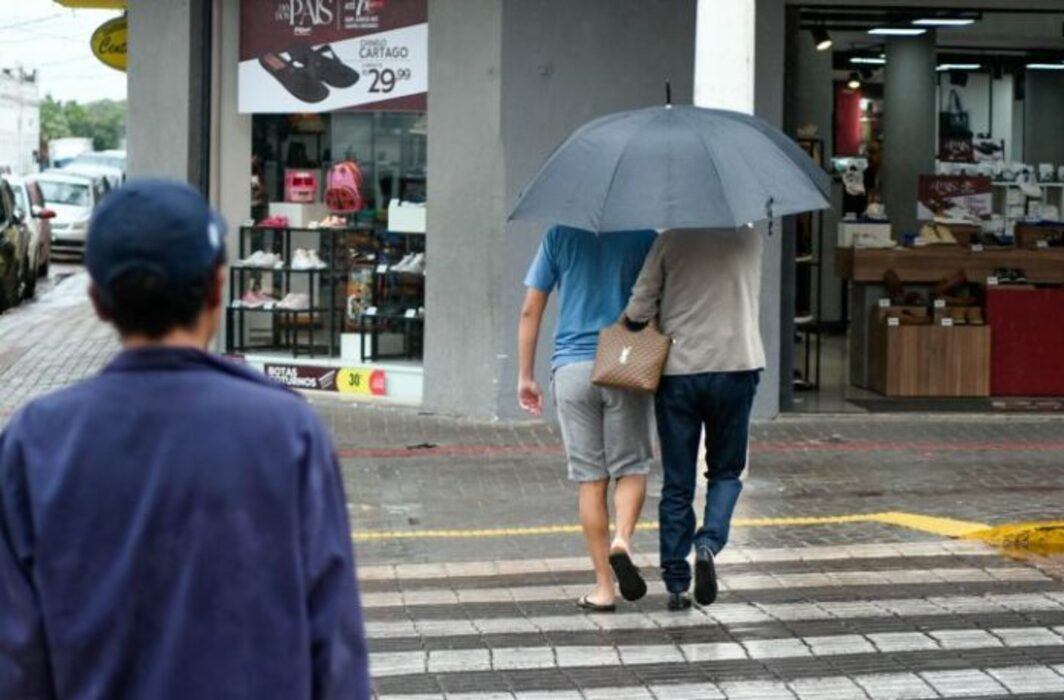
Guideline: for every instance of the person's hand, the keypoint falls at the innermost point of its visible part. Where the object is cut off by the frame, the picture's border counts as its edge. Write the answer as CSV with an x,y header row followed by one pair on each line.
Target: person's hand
x,y
530,396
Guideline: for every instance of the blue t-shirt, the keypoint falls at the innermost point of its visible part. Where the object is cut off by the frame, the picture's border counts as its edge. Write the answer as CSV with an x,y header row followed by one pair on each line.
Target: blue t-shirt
x,y
594,274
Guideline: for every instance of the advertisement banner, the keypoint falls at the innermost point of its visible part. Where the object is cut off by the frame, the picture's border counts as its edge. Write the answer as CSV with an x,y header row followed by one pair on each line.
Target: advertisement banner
x,y
359,380
954,197
300,56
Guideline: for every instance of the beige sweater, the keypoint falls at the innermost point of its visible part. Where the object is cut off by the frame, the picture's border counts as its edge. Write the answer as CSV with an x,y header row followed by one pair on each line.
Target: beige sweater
x,y
704,284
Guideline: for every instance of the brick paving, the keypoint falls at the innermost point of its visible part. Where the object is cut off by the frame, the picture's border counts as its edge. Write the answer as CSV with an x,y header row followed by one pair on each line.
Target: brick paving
x,y
830,610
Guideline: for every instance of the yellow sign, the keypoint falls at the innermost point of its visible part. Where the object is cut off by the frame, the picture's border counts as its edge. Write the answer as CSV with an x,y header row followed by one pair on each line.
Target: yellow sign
x,y
109,43
94,4
361,381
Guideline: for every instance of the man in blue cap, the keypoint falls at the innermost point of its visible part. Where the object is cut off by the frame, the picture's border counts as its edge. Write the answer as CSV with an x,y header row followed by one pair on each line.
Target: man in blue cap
x,y
176,526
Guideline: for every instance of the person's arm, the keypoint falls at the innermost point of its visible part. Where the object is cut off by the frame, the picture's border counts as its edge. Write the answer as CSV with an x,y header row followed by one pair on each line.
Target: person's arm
x,y
24,663
645,300
339,656
529,394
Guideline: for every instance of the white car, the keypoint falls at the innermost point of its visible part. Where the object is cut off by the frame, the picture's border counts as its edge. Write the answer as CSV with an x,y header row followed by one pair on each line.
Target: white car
x,y
31,210
72,198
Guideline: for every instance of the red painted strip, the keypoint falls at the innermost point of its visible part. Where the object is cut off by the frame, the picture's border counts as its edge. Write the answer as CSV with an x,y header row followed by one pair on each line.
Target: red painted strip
x,y
761,448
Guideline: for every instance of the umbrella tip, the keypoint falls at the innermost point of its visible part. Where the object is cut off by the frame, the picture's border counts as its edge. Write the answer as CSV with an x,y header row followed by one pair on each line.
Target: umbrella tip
x,y
668,94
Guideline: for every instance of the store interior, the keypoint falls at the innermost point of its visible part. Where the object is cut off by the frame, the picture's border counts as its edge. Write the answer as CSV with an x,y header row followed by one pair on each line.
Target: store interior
x,y
331,266
934,283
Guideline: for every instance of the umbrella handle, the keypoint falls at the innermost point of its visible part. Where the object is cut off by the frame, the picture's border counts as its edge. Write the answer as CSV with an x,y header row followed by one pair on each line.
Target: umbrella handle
x,y
768,211
668,93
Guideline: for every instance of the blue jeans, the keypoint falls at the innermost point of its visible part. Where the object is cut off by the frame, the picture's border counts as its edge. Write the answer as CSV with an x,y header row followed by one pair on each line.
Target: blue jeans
x,y
721,402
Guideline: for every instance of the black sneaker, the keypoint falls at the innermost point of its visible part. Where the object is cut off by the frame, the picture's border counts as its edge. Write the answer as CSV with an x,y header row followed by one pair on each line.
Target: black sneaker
x,y
705,577
679,602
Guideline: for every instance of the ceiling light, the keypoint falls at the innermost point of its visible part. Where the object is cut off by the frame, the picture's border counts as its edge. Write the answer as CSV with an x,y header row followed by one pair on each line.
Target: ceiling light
x,y
854,82
960,66
821,38
897,31
1046,66
943,22
869,61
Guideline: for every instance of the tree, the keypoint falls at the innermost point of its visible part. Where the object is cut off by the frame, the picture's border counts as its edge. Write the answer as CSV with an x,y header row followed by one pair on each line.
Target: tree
x,y
103,121
53,120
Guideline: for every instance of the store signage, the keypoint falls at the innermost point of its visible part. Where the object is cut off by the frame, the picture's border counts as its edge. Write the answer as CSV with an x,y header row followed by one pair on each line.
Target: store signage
x,y
361,380
299,56
94,4
109,43
967,197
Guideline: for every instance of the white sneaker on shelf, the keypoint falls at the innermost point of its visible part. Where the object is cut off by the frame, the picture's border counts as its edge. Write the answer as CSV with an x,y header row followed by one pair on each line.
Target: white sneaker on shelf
x,y
253,260
301,260
404,264
417,265
315,262
295,301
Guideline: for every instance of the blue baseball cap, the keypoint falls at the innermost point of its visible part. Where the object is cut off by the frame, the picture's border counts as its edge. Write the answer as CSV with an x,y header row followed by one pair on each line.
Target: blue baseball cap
x,y
158,226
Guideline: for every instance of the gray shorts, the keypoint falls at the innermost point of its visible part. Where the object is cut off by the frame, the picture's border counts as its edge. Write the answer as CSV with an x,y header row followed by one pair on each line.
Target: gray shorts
x,y
607,432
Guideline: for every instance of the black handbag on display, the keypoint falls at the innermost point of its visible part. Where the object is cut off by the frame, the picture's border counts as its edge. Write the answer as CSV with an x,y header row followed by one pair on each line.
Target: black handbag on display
x,y
953,121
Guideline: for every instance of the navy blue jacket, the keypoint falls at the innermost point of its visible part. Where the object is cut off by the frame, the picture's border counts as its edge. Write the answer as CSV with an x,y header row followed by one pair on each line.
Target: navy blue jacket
x,y
175,528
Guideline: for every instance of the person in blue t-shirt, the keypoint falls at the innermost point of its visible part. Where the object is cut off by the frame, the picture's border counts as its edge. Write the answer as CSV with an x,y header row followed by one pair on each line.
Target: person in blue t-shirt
x,y
607,432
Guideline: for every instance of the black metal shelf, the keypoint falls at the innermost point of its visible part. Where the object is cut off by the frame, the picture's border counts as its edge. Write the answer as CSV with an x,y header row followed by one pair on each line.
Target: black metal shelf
x,y
322,284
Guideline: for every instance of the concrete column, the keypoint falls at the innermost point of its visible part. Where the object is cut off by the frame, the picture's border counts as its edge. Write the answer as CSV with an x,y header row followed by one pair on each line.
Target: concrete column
x,y
508,81
739,64
160,123
909,125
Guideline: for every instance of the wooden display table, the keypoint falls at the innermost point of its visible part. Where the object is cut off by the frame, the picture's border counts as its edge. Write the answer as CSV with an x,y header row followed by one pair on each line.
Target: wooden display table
x,y
929,264
930,361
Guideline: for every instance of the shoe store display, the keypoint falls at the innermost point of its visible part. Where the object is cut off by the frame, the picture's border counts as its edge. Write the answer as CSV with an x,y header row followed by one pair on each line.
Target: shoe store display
x,y
304,259
895,288
295,301
403,265
255,299
274,222
261,260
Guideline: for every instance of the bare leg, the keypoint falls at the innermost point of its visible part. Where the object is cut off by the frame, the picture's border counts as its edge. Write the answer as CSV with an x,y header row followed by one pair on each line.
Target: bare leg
x,y
595,520
628,497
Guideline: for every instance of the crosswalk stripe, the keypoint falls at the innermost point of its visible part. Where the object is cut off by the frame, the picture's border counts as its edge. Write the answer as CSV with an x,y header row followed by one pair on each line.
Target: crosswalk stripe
x,y
724,614
403,663
746,582
995,681
731,555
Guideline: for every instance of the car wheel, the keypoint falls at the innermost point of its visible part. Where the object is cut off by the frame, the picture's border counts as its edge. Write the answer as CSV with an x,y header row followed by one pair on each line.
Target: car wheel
x,y
9,288
29,281
42,269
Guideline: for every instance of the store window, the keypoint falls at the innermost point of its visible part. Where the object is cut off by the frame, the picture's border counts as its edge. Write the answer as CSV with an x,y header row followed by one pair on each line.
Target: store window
x,y
328,289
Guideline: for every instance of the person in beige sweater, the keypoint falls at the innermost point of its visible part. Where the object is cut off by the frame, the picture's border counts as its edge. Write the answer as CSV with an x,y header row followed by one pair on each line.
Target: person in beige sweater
x,y
703,285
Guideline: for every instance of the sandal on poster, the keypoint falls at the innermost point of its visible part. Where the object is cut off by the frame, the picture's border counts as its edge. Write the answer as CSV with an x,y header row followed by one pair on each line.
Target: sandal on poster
x,y
295,76
325,64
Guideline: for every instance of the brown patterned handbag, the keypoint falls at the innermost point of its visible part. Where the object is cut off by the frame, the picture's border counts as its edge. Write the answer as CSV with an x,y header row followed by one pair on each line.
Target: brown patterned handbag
x,y
628,359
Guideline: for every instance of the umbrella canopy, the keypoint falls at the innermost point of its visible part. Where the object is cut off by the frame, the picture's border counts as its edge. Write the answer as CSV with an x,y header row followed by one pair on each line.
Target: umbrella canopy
x,y
673,167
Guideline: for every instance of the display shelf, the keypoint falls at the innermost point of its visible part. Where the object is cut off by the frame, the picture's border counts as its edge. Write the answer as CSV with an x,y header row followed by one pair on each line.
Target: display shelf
x,y
322,285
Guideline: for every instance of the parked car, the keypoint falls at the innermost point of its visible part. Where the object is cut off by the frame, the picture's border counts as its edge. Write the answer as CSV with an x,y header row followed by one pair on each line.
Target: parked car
x,y
29,206
14,251
73,198
112,177
114,159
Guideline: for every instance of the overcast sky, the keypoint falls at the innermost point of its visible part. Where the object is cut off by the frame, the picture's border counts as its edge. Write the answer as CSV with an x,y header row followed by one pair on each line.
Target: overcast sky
x,y
55,40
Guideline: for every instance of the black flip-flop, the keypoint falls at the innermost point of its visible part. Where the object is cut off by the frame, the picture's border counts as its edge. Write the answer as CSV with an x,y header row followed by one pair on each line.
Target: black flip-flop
x,y
295,76
633,587
585,604
325,64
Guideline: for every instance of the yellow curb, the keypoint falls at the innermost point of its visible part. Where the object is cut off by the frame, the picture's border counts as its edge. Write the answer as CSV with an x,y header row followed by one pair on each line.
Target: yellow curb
x,y
944,527
1045,538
